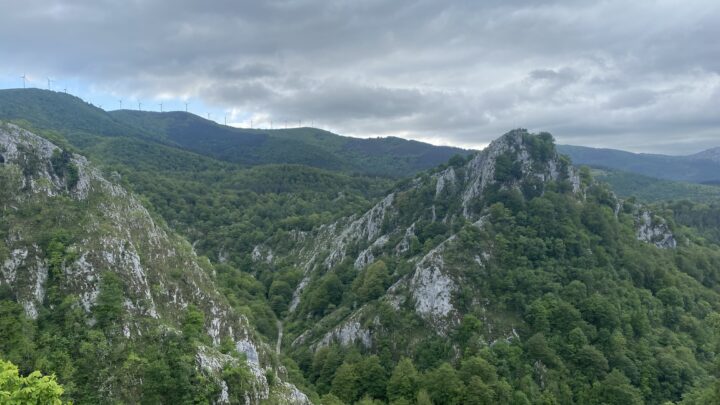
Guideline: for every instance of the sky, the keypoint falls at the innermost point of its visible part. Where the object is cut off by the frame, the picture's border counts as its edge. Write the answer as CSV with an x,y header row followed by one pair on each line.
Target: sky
x,y
636,75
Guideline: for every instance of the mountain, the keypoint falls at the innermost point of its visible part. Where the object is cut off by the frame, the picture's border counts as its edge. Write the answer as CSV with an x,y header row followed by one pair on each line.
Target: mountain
x,y
511,277
100,293
652,190
710,154
698,168
80,122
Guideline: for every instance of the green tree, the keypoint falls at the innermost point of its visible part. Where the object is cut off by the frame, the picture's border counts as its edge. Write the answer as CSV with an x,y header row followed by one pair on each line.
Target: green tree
x,y
444,385
403,383
33,389
345,383
373,378
108,309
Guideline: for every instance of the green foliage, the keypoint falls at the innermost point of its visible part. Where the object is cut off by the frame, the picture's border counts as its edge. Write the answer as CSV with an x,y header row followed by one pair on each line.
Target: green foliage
x,y
33,389
404,381
108,308
372,282
64,168
239,381
346,383
653,190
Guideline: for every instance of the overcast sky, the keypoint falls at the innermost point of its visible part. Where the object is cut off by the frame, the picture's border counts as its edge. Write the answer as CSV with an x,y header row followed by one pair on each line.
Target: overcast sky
x,y
636,75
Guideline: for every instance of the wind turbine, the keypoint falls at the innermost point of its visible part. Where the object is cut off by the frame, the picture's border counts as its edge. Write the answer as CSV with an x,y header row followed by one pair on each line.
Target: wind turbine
x,y
161,107
225,119
186,104
24,77
120,101
50,81
139,106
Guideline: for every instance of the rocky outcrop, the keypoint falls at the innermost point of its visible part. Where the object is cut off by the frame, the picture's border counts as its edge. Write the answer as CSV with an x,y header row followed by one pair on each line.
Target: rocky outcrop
x,y
481,170
349,332
654,230
112,233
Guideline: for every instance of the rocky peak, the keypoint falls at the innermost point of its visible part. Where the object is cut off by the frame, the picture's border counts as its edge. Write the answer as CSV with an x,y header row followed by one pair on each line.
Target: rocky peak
x,y
517,160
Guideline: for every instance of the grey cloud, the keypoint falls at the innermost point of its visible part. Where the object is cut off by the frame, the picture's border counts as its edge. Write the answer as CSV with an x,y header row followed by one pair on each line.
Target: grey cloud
x,y
632,74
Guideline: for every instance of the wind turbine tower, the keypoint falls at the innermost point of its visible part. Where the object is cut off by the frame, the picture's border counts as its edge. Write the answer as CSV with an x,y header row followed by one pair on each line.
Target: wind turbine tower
x,y
24,77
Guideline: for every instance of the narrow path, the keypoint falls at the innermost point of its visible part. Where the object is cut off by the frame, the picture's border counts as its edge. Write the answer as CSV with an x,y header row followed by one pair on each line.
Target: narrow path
x,y
280,335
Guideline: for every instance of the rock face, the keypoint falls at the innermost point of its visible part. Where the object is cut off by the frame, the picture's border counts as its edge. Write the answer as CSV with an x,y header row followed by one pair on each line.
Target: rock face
x,y
434,289
113,232
517,161
654,230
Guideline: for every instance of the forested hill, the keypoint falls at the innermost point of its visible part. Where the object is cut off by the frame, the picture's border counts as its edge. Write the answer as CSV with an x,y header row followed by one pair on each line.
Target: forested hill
x,y
510,277
79,122
119,308
703,167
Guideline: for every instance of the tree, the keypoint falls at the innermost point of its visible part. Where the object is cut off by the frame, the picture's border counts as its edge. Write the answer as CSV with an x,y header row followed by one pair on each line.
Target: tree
x,y
108,308
423,398
373,377
33,389
476,366
403,383
345,384
478,392
444,385
239,380
615,389
193,324
371,282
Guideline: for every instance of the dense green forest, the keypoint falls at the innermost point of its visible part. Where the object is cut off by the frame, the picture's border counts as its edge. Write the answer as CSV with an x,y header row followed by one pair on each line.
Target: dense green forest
x,y
81,123
653,190
697,168
558,302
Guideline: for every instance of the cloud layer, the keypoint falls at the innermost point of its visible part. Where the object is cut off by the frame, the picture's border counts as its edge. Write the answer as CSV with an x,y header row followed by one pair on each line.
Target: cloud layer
x,y
641,75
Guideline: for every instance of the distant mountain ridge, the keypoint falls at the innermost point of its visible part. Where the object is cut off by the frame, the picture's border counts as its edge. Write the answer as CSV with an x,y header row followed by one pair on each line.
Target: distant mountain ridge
x,y
710,154
703,167
391,157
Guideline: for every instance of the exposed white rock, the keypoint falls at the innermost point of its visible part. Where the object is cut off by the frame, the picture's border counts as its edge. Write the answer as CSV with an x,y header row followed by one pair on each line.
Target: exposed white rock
x,y
294,396
446,178
298,292
654,230
262,253
404,244
367,227
481,168
366,257
350,332
10,266
431,288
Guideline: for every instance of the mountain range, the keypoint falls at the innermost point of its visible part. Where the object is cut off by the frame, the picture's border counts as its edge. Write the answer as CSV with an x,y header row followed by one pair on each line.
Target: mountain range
x,y
702,167
163,258
78,121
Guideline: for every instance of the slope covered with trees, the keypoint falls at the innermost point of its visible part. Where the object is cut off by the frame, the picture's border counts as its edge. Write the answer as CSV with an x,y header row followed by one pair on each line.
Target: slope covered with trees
x,y
698,168
80,123
98,293
509,278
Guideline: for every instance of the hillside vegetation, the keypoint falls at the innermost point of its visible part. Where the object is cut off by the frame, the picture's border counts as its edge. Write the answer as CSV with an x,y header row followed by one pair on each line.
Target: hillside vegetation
x,y
179,264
